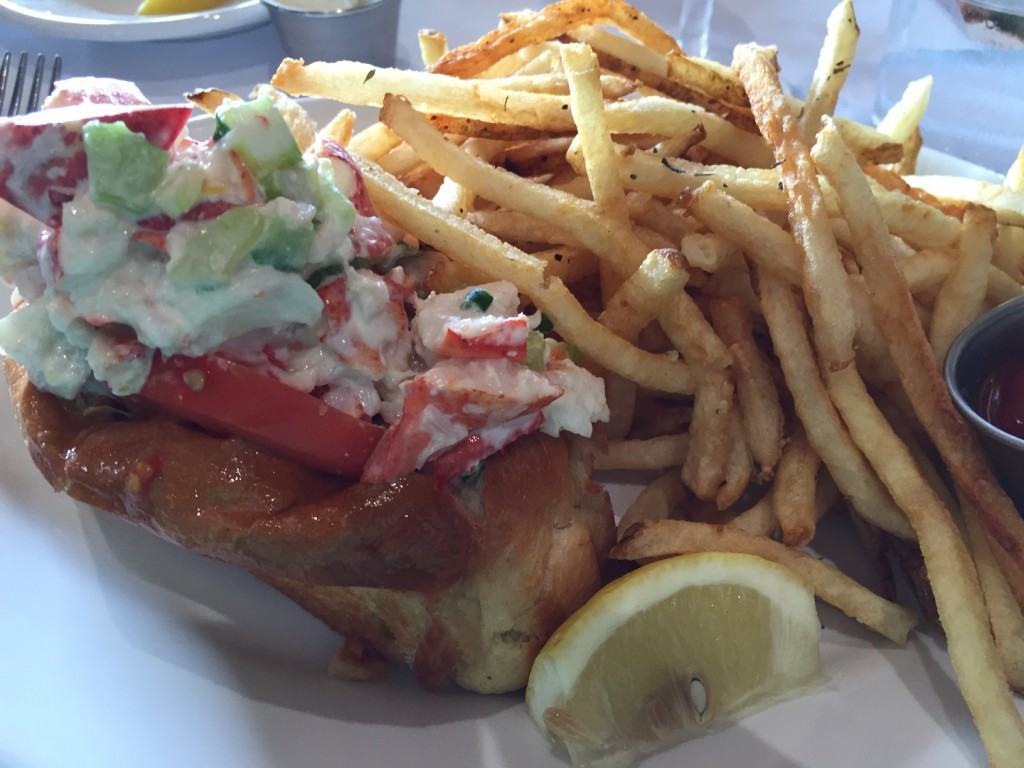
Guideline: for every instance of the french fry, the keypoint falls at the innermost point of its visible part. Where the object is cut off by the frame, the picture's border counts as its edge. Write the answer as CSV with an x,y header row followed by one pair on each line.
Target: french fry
x,y
664,538
374,142
550,23
824,278
208,99
656,502
825,431
659,278
569,264
902,120
1004,614
480,252
1007,203
950,570
738,468
340,128
1008,251
587,106
710,253
613,87
766,243
433,45
1014,179
705,465
401,160
609,242
793,494
656,453
917,222
834,62
755,390
656,215
962,295
456,198
482,129
758,520
692,334
518,227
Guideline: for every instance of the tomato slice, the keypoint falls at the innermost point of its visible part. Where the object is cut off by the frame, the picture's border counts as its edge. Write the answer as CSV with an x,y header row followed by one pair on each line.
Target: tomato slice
x,y
231,398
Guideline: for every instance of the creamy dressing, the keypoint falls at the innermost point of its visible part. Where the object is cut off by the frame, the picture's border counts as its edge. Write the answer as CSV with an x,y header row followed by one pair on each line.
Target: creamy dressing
x,y
441,312
581,404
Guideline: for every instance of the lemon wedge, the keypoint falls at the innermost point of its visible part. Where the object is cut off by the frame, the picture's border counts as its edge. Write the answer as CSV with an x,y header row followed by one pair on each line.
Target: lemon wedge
x,y
670,651
164,7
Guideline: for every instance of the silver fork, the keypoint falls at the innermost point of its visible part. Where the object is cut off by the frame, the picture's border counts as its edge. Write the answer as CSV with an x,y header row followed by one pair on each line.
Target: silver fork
x,y
36,92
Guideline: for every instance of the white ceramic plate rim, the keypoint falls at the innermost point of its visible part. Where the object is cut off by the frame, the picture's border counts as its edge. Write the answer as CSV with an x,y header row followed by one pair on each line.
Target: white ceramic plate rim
x,y
81,23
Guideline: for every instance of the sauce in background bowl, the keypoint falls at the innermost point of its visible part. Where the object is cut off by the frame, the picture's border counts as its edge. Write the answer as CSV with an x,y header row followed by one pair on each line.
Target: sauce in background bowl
x,y
984,371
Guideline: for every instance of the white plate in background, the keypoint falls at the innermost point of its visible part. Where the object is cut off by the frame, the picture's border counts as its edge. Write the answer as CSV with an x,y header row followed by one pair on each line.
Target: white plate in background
x,y
120,649
116,20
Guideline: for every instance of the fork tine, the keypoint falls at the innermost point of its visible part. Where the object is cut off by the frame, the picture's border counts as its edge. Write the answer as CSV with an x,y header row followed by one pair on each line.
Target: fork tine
x,y
58,65
37,82
19,82
5,68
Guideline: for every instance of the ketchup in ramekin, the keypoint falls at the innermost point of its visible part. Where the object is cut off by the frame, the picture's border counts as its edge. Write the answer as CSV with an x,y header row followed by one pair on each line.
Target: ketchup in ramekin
x,y
1001,397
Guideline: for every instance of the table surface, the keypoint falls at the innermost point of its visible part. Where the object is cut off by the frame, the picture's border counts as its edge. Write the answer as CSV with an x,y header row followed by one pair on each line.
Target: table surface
x,y
166,70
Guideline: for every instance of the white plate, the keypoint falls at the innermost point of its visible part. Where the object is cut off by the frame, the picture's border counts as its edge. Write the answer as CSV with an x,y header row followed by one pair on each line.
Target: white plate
x,y
120,649
116,20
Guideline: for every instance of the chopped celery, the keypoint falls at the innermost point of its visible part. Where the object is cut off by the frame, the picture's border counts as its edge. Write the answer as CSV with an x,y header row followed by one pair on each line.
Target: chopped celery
x,y
260,136
207,254
124,168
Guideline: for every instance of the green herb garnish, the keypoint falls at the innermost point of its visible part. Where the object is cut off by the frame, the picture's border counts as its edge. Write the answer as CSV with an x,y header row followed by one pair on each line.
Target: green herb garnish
x,y
477,298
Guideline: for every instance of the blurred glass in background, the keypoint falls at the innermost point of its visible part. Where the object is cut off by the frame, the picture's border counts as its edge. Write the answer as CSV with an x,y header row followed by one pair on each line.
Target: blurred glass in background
x,y
975,51
695,26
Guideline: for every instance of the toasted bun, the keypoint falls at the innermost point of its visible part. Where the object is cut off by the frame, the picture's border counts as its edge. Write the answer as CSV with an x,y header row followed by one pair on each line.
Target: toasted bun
x,y
462,586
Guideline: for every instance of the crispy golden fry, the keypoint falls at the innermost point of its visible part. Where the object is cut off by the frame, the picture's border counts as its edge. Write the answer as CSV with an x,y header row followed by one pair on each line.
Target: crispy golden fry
x,y
401,160
613,87
1008,251
739,467
340,128
872,351
911,151
656,502
755,389
644,294
710,253
374,142
481,129
456,198
962,296
794,491
208,99
678,146
568,263
483,253
758,520
705,465
1007,203
674,537
950,570
824,278
766,243
916,364
692,334
1004,614
433,45
550,23
1015,173
834,62
517,227
609,242
917,222
587,106
535,59
825,431
656,215
902,120
656,453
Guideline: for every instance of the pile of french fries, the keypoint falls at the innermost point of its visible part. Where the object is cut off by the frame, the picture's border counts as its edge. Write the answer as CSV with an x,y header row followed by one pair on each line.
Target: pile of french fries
x,y
768,290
